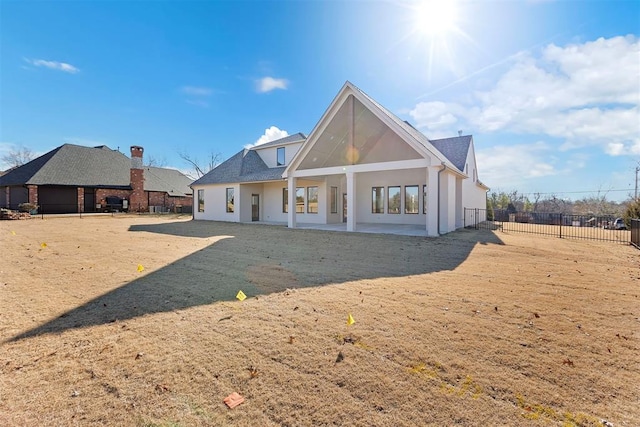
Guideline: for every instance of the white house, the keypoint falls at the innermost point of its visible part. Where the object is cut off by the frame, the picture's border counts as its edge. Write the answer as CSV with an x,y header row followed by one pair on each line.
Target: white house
x,y
360,165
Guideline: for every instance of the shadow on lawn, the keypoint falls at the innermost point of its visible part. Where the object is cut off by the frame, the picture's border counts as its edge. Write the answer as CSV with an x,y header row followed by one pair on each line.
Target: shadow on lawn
x,y
282,259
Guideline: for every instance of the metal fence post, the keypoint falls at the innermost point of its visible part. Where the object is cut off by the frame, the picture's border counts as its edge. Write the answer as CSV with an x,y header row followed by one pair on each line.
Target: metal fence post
x,y
561,221
477,220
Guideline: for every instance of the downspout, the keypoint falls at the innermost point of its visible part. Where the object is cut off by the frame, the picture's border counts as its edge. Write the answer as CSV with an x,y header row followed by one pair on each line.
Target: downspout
x,y
439,172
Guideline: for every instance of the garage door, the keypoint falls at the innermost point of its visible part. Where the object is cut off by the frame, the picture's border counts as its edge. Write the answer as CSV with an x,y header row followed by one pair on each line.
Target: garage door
x,y
58,199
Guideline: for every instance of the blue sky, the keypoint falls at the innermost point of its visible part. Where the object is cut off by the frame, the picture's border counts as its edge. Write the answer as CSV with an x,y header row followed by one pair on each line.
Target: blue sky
x,y
550,90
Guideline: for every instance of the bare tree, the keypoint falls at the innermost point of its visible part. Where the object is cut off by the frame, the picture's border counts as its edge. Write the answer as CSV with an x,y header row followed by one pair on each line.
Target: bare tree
x,y
17,157
155,162
213,160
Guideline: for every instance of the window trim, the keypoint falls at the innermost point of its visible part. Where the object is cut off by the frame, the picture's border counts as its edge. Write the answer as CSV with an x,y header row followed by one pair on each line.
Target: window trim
x,y
373,204
417,211
424,198
334,200
285,200
201,200
399,187
284,156
303,200
309,207
233,200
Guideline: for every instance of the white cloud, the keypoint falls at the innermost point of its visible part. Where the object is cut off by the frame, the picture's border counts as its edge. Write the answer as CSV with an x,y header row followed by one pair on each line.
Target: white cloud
x,y
196,91
515,164
54,65
197,95
587,94
267,84
270,134
584,94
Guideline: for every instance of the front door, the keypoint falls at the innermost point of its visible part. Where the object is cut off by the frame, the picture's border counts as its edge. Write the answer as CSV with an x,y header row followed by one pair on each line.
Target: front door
x,y
344,207
255,207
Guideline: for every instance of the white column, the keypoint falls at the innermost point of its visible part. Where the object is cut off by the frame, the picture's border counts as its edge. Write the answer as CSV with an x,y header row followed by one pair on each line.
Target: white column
x,y
291,214
432,201
351,201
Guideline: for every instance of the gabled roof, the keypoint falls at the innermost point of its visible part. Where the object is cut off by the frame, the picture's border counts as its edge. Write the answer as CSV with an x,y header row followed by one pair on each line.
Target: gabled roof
x,y
74,165
245,166
408,133
101,167
296,137
171,181
455,149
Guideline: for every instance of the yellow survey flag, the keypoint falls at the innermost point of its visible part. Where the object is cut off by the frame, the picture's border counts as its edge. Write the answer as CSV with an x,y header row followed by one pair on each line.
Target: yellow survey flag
x,y
13,233
350,320
241,296
140,268
43,245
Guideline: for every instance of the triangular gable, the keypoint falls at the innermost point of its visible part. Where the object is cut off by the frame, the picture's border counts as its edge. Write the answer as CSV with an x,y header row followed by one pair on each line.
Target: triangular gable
x,y
331,140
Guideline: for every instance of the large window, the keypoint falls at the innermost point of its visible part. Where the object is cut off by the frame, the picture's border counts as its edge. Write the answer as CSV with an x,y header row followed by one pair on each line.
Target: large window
x,y
285,200
230,200
300,200
334,199
200,200
377,200
411,199
280,156
312,199
393,195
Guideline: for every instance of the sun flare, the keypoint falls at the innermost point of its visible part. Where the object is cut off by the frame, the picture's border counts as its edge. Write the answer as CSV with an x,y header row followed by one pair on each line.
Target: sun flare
x,y
435,17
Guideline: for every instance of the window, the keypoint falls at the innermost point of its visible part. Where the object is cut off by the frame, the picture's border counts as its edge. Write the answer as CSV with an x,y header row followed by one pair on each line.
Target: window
x,y
411,199
200,200
280,159
312,199
230,205
300,200
334,199
424,199
393,195
377,200
285,200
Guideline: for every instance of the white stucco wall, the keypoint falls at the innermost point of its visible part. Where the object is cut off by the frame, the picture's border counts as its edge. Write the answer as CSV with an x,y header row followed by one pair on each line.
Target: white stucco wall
x,y
473,196
269,155
215,197
365,183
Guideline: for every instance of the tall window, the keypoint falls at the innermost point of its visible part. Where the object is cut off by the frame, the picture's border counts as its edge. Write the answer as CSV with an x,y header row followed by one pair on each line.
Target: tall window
x,y
334,199
312,199
285,200
230,200
411,199
424,199
393,195
200,200
300,200
377,200
280,160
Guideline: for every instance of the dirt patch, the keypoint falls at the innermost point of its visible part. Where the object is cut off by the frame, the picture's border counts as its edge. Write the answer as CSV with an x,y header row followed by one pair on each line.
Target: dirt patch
x,y
473,328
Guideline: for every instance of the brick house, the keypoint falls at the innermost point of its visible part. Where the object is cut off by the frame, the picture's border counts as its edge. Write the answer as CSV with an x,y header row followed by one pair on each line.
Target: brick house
x,y
73,178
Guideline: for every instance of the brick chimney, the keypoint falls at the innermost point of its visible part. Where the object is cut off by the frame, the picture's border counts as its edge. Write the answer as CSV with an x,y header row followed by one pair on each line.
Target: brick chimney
x,y
137,200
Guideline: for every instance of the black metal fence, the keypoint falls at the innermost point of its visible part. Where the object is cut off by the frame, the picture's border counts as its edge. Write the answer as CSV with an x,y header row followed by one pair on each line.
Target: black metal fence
x,y
588,227
635,233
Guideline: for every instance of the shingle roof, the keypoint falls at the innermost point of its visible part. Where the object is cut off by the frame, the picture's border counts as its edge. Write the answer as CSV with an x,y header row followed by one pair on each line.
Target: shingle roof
x,y
245,166
74,165
296,137
171,181
79,166
455,149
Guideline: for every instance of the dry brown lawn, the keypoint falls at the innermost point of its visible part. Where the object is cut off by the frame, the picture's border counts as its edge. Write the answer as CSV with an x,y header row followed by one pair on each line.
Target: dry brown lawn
x,y
473,328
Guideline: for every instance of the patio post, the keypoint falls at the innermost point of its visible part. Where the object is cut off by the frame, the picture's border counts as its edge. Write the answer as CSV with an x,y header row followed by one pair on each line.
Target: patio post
x,y
291,211
432,201
351,201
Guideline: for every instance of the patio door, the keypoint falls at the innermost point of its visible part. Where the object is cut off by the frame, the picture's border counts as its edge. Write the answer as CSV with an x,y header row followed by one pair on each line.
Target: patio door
x,y
344,207
255,207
